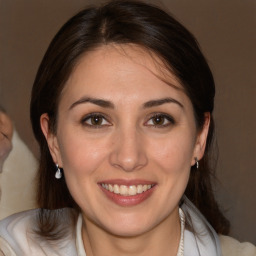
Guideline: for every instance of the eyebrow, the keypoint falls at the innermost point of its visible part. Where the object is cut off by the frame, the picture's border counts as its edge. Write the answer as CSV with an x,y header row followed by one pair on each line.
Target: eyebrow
x,y
109,104
158,102
99,102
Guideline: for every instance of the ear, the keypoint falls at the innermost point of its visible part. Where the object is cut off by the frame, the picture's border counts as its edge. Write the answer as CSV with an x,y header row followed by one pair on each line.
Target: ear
x,y
51,139
201,139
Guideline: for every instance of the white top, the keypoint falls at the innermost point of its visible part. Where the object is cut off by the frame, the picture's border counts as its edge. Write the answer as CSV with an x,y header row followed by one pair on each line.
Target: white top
x,y
17,239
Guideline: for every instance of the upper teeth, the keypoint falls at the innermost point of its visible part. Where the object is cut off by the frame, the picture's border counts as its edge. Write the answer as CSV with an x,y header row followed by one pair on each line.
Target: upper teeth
x,y
126,190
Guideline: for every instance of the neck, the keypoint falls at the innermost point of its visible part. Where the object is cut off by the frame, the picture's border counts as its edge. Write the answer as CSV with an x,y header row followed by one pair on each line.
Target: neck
x,y
159,240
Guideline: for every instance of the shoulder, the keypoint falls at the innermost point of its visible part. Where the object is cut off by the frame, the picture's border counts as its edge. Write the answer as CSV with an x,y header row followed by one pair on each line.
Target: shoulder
x,y
17,223
18,236
13,230
232,247
5,248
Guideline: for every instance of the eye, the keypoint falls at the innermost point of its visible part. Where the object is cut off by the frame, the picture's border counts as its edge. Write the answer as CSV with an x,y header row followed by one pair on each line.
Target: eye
x,y
160,120
95,120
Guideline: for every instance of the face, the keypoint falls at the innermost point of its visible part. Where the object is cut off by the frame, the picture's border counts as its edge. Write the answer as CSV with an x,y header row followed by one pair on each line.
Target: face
x,y
6,131
125,139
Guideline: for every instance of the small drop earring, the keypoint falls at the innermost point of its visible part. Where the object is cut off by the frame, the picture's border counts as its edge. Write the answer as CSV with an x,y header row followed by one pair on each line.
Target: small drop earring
x,y
58,173
197,163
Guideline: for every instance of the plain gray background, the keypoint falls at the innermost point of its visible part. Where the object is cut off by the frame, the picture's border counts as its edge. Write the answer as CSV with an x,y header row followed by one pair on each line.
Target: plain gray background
x,y
226,31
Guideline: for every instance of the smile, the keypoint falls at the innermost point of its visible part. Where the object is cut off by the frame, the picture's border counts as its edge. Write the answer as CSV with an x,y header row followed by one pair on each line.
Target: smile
x,y
124,190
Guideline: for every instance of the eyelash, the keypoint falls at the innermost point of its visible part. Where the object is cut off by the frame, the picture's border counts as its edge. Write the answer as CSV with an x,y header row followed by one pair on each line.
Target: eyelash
x,y
95,115
168,120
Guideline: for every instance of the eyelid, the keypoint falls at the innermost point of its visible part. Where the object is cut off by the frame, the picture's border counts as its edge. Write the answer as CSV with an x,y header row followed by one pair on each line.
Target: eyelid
x,y
168,117
91,115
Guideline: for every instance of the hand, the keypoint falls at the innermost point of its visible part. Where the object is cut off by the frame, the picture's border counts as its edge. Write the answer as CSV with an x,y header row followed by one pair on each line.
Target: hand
x,y
6,130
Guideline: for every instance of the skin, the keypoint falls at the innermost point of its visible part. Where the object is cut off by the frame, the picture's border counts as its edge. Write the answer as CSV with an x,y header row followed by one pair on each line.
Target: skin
x,y
6,131
129,144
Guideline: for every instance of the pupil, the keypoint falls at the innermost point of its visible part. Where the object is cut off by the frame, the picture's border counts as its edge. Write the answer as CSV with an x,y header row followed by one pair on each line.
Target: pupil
x,y
96,120
158,120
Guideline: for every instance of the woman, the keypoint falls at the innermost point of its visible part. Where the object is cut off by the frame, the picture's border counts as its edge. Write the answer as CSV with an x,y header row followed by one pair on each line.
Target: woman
x,y
122,110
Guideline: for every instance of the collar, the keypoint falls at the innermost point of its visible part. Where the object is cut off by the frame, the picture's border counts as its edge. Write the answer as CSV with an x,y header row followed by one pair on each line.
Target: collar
x,y
79,240
204,241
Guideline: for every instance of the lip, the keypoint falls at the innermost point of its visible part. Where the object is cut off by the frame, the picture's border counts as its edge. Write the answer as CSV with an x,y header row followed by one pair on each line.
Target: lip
x,y
127,182
126,201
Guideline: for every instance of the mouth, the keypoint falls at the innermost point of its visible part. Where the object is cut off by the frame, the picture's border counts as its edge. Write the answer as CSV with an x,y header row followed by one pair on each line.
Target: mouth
x,y
127,193
124,190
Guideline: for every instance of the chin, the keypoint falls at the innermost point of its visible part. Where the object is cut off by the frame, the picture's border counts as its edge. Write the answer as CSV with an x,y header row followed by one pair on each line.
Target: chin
x,y
128,231
129,226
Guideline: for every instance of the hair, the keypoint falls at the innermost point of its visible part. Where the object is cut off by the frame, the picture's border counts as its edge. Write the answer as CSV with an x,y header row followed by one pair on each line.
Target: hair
x,y
144,25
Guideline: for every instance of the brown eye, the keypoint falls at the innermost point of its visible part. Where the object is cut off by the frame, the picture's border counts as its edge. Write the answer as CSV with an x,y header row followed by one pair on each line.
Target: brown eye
x,y
95,120
160,121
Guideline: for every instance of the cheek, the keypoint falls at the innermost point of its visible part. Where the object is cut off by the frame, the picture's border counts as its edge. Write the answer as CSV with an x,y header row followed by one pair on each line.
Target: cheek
x,y
79,155
81,159
173,153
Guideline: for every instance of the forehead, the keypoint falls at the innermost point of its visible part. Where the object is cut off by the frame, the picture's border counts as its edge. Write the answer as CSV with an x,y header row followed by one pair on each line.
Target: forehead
x,y
120,67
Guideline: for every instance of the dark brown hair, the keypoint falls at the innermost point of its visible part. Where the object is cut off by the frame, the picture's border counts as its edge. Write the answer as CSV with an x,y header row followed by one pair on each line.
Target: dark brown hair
x,y
125,22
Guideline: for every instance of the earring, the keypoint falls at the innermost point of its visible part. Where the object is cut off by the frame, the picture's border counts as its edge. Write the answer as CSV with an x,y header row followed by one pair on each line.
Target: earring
x,y
58,173
197,163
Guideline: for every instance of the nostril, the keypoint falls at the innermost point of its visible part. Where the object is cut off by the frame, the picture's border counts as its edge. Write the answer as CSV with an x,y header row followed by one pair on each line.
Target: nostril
x,y
128,153
128,163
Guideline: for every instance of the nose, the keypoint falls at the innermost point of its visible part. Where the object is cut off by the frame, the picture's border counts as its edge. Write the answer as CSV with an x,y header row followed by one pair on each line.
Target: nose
x,y
128,152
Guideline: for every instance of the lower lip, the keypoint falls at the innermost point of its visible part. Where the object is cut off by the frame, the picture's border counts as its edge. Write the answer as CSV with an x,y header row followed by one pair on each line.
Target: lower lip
x,y
128,200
